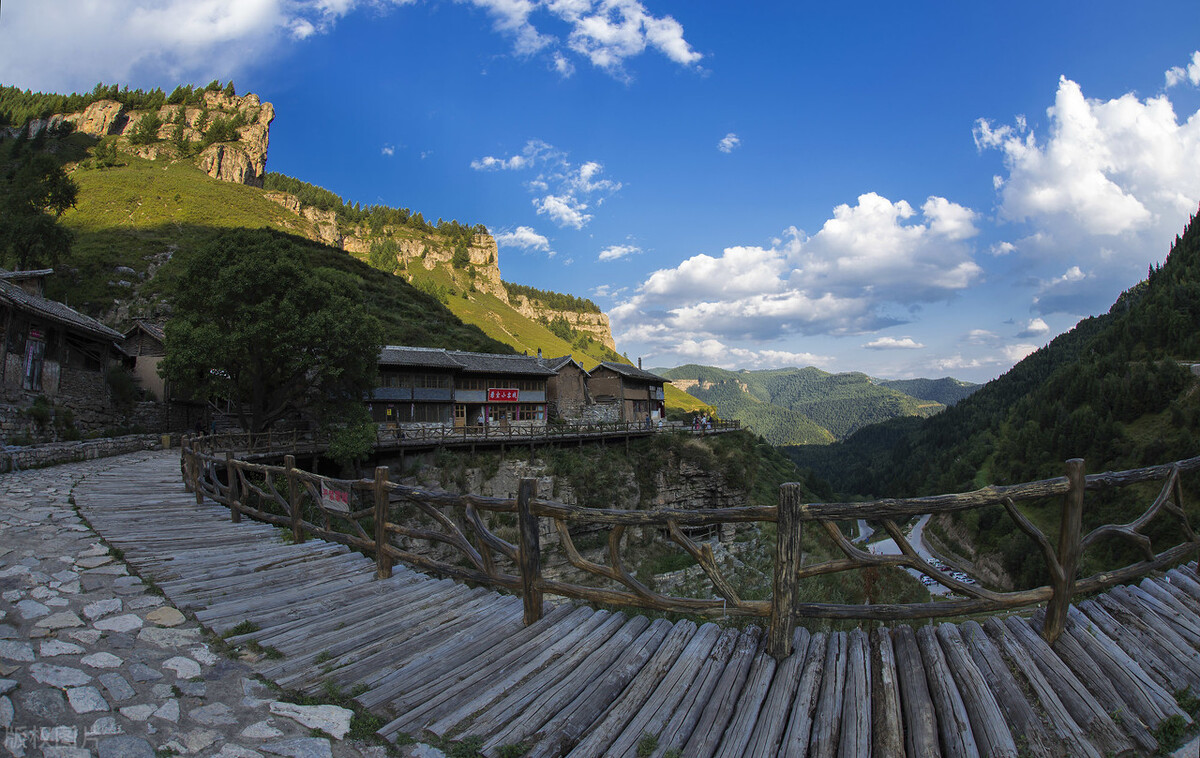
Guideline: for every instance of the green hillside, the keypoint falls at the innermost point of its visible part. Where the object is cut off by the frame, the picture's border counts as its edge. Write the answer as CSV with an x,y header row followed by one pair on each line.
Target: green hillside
x,y
135,219
798,406
947,390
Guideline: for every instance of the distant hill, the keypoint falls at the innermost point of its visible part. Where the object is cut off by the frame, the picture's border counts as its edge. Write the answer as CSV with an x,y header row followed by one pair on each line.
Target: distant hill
x,y
947,390
1116,390
794,406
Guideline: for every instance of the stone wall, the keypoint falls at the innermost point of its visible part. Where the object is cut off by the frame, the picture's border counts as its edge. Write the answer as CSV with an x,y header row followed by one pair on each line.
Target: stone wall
x,y
86,416
53,453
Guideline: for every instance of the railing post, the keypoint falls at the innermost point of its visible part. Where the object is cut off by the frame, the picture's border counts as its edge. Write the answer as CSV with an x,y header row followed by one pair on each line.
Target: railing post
x,y
235,513
530,554
788,531
1068,552
289,462
383,561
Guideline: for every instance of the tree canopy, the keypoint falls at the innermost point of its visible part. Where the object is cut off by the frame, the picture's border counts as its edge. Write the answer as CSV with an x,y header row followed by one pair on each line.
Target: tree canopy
x,y
254,327
34,192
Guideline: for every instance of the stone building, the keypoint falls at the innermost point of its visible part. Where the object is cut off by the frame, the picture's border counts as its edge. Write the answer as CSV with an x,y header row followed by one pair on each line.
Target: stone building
x,y
637,394
53,351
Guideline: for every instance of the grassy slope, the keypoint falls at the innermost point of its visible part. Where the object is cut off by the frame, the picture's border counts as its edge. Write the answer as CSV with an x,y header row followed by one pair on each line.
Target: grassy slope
x,y
144,212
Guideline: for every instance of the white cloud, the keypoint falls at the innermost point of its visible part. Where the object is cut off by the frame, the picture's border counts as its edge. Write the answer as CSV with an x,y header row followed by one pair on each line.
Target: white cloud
x,y
565,190
1035,328
729,143
1179,74
868,262
523,237
1114,168
981,337
605,32
665,349
69,44
388,150
892,343
1002,248
617,252
563,210
1018,352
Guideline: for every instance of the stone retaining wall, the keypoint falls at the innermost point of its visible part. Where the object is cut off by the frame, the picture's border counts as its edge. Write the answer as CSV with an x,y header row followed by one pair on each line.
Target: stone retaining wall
x,y
53,453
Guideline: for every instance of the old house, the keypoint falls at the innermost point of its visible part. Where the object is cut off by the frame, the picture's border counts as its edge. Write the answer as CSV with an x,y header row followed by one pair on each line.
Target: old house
x,y
52,350
144,346
434,387
567,395
637,394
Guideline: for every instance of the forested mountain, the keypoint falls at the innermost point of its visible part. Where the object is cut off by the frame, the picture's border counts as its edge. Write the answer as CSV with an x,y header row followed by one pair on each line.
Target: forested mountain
x,y
947,390
1116,390
1119,390
807,406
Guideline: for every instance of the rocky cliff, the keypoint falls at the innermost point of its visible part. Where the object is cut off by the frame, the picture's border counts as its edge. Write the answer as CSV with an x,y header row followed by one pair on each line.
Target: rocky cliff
x,y
242,161
595,325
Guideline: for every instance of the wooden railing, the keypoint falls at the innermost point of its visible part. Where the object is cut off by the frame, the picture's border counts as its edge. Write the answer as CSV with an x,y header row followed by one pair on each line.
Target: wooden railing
x,y
381,518
293,441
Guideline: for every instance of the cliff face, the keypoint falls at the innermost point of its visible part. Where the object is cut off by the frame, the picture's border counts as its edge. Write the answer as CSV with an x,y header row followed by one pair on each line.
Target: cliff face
x,y
242,162
594,325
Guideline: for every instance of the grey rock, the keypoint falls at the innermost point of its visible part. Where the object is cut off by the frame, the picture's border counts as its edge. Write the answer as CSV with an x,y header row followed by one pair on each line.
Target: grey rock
x,y
21,652
9,632
421,750
125,623
261,730
32,609
302,747
53,648
193,689
119,641
7,686
46,705
184,668
86,700
140,672
230,750
65,751
118,688
138,712
101,660
169,638
86,636
168,711
124,747
101,608
215,714
6,712
331,719
59,676
64,620
105,725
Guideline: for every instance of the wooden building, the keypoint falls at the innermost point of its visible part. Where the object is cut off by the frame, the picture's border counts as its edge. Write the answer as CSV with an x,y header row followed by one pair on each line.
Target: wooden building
x,y
145,346
421,386
51,349
638,394
567,395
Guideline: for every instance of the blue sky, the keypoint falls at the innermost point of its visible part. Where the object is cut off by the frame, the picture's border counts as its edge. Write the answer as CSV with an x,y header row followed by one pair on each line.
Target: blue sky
x,y
896,189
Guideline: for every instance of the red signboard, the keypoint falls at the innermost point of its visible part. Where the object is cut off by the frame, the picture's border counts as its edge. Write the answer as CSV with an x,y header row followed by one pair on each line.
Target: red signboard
x,y
502,395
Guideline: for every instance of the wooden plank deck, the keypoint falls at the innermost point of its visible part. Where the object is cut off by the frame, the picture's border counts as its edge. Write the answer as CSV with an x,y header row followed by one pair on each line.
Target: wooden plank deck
x,y
436,658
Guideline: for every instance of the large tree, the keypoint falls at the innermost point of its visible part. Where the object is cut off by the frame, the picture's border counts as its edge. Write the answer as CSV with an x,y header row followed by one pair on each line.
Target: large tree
x,y
253,326
34,192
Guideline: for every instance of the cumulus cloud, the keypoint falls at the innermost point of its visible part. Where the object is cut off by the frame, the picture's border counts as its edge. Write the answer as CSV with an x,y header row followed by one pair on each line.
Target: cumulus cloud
x,y
388,150
564,191
617,252
663,348
867,262
1180,74
1035,328
1113,168
523,237
892,343
69,44
729,143
607,33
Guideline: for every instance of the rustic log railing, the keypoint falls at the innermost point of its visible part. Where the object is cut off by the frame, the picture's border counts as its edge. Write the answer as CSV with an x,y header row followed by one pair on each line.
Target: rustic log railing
x,y
293,441
382,518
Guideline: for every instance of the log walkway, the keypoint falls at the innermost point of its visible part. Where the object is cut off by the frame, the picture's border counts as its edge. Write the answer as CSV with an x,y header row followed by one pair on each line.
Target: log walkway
x,y
437,658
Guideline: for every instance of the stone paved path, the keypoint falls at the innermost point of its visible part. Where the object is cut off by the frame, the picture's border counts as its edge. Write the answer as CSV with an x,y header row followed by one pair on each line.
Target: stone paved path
x,y
93,662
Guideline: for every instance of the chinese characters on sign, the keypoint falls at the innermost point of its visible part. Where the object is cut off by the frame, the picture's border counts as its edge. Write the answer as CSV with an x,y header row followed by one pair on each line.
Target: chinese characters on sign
x,y
335,499
502,395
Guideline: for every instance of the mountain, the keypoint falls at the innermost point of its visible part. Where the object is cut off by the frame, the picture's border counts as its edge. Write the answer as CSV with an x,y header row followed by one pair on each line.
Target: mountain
x,y
1117,390
158,175
793,406
947,390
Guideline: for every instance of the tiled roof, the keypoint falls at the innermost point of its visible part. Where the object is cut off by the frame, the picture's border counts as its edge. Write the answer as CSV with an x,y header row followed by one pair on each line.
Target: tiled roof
x,y
557,364
429,357
459,360
20,275
55,311
152,328
494,363
633,372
